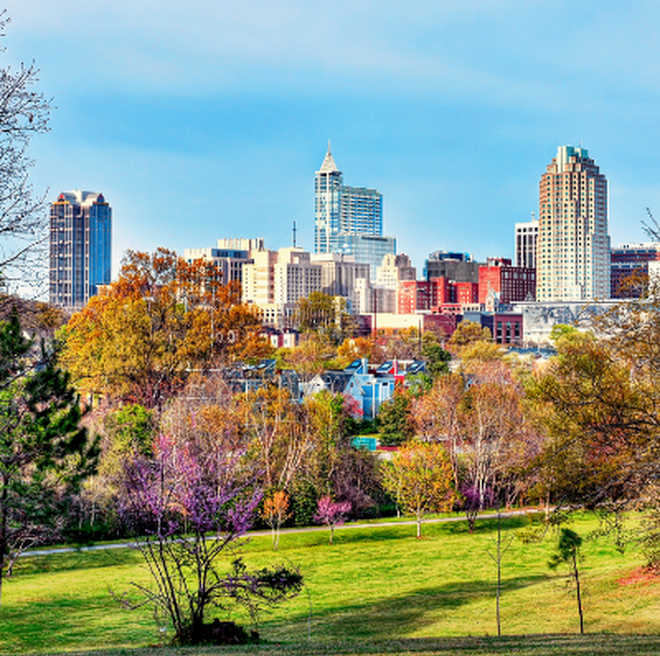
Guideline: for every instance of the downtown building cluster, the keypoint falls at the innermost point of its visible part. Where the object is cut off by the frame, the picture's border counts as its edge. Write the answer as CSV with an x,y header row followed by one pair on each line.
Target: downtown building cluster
x,y
563,259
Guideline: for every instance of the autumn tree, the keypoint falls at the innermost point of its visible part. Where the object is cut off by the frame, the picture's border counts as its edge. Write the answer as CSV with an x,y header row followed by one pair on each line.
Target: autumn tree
x,y
485,428
467,333
275,511
324,315
355,348
163,318
601,425
438,418
493,428
404,344
311,356
420,478
279,434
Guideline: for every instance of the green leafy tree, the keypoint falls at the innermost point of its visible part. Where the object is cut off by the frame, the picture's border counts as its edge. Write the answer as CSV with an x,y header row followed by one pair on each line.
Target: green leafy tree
x,y
437,359
44,452
395,422
125,431
568,553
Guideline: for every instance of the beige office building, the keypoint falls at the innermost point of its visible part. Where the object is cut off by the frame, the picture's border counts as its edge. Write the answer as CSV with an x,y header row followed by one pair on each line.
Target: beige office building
x,y
573,247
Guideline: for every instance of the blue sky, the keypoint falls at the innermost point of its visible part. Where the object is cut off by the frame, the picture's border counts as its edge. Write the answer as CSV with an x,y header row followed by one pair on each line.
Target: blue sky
x,y
207,119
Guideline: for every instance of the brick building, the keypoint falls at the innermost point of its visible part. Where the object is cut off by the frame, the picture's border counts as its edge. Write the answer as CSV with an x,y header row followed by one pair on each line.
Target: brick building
x,y
508,283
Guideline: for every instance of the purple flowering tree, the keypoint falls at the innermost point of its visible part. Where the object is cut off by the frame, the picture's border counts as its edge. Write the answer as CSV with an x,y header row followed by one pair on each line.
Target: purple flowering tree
x,y
190,503
475,500
332,513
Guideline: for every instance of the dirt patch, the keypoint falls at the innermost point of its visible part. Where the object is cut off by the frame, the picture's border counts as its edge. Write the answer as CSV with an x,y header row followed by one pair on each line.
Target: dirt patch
x,y
641,576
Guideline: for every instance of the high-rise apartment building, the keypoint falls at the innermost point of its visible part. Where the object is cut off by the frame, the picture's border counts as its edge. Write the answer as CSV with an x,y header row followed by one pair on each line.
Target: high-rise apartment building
x,y
348,220
526,236
80,247
573,247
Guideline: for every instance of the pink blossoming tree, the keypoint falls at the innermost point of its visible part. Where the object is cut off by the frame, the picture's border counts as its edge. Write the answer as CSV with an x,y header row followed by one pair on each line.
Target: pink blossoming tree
x,y
332,513
189,503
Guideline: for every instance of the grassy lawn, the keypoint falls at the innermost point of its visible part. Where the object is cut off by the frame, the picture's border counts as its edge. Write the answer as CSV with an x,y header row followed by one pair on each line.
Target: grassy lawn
x,y
376,590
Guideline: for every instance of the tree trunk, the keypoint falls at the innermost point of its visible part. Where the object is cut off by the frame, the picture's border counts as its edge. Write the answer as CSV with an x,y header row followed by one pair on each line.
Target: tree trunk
x,y
499,571
419,526
576,574
4,530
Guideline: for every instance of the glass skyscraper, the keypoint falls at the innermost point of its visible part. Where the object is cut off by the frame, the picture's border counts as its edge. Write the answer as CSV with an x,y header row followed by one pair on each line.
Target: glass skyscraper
x,y
348,220
80,247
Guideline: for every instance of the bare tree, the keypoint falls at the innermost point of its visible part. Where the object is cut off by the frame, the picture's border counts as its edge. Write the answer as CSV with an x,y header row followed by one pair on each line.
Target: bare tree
x,y
23,113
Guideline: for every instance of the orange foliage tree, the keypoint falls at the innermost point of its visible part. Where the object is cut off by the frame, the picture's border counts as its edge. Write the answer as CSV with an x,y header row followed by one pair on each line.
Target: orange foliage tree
x,y
163,318
275,512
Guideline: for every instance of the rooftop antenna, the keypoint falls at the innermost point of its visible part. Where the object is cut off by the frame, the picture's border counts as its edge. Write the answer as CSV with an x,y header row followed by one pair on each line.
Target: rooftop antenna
x,y
328,145
294,234
533,216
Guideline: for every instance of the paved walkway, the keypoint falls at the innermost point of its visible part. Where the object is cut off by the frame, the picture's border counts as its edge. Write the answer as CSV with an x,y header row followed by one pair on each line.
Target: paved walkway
x,y
303,529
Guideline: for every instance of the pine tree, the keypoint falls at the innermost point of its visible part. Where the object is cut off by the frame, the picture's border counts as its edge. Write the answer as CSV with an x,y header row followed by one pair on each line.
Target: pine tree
x,y
44,452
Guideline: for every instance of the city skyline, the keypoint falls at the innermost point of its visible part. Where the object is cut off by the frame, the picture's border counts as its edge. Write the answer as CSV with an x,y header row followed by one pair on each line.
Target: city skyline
x,y
208,121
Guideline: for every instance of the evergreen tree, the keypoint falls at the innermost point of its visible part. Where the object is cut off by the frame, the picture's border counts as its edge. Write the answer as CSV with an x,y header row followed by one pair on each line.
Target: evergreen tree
x,y
44,452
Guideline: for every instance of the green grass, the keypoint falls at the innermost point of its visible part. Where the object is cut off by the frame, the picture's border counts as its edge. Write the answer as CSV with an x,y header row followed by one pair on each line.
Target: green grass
x,y
376,590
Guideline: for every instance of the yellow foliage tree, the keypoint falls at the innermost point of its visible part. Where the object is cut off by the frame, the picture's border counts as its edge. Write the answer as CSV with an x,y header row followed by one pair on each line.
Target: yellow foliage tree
x,y
420,477
141,337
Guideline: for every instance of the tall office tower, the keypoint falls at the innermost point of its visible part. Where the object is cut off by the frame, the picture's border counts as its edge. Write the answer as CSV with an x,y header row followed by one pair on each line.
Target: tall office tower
x,y
80,247
526,236
328,184
573,247
343,212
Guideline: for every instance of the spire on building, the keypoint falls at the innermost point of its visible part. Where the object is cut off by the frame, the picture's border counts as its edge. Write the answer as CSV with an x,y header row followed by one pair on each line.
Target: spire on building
x,y
328,165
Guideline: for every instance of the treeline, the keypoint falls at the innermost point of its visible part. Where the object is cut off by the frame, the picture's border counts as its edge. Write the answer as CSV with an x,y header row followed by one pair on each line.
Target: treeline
x,y
148,353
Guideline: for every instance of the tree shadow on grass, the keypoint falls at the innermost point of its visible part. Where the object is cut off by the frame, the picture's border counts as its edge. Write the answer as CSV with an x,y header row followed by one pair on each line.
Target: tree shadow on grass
x,y
430,529
394,617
